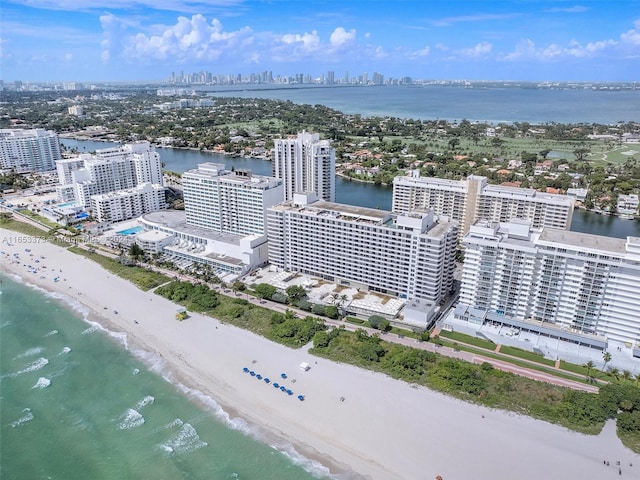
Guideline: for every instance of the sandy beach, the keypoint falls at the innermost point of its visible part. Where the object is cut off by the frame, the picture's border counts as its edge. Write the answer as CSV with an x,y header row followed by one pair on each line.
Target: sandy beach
x,y
358,423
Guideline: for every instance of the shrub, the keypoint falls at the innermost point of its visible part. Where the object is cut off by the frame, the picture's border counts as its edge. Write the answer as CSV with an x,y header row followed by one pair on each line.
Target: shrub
x,y
378,322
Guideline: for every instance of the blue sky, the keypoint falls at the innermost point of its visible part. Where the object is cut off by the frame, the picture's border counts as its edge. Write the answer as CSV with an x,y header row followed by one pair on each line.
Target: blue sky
x,y
125,40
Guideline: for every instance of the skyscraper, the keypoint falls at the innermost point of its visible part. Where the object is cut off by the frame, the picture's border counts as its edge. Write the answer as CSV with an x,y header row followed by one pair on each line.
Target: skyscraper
x,y
25,151
305,164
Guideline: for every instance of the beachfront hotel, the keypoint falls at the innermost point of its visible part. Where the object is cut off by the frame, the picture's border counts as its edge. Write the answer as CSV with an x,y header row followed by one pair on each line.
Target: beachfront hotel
x,y
573,286
109,170
223,224
305,164
228,201
409,255
25,151
474,199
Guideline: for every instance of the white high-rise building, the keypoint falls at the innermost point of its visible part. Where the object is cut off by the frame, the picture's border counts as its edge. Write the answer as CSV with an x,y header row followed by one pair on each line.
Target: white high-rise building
x,y
25,151
228,201
109,170
223,224
567,284
126,204
305,164
410,255
473,199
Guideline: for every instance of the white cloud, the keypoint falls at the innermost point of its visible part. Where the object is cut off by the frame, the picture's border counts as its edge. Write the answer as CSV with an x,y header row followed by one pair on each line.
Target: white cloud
x,y
189,39
574,9
423,52
340,36
527,49
482,49
632,36
307,42
92,5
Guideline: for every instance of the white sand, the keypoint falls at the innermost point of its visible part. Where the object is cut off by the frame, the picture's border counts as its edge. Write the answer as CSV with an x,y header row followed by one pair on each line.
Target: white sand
x,y
384,429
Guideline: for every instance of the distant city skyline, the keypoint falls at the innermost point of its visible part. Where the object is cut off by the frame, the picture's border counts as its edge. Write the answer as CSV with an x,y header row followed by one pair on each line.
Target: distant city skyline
x,y
143,40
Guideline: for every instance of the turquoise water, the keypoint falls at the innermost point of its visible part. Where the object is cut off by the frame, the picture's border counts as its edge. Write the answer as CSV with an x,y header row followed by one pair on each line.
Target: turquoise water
x,y
76,404
130,231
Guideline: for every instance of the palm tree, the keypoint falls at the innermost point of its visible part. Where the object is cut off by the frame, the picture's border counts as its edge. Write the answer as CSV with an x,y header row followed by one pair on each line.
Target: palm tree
x,y
626,374
589,366
615,372
606,356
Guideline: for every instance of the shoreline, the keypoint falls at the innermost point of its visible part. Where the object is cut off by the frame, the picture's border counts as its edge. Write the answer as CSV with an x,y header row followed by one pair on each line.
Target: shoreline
x,y
384,428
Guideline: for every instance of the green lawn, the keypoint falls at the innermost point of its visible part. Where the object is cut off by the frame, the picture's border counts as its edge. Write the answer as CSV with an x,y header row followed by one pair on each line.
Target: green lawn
x,y
141,277
463,338
531,356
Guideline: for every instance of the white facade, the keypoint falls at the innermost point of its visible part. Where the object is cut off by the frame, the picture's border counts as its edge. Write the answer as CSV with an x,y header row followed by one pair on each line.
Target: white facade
x,y
577,282
229,255
110,170
66,167
628,205
305,164
126,204
467,201
228,201
410,255
25,151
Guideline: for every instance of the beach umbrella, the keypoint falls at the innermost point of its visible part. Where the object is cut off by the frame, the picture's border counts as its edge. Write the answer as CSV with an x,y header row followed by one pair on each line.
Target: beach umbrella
x,y
275,385
301,397
282,388
289,392
245,370
259,377
252,373
266,380
283,375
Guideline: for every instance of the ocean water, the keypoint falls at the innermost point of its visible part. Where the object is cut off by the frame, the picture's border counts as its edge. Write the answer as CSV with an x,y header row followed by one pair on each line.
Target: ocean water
x,y
76,402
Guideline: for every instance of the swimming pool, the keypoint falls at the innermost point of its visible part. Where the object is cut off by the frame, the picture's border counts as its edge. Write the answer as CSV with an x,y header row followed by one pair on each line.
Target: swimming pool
x,y
130,231
68,204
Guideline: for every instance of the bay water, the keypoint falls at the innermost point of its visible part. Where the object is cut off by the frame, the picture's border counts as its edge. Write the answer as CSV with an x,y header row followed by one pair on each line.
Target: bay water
x,y
350,192
77,402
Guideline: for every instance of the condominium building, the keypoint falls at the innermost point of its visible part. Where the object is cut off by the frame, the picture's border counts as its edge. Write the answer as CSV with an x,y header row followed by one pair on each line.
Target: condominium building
x,y
473,199
126,204
228,201
410,254
25,151
576,286
305,164
109,170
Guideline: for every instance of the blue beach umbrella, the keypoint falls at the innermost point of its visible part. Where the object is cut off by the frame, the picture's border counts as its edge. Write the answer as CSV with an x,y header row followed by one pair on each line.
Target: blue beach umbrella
x,y
252,373
301,397
266,380
283,375
245,370
275,385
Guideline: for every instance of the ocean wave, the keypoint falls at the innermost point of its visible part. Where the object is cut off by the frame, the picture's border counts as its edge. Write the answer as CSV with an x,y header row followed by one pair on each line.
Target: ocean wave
x,y
42,382
148,400
158,365
92,329
172,424
135,371
64,351
32,367
130,419
24,419
51,333
30,353
184,441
